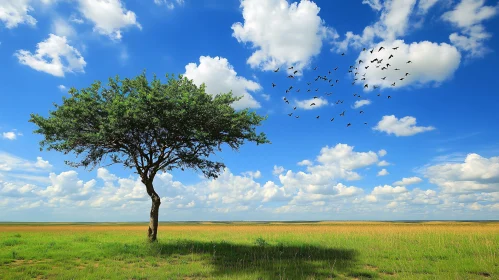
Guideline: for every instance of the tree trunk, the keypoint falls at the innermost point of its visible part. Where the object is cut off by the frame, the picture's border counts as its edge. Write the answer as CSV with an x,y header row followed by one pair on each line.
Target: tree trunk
x,y
152,232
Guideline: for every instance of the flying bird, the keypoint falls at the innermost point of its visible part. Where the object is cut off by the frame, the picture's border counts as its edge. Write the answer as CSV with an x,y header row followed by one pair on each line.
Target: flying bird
x,y
296,71
276,70
360,61
396,69
290,68
317,117
401,79
395,48
361,112
371,51
337,81
335,68
393,84
309,83
294,108
389,96
406,74
273,85
380,49
297,117
349,124
367,66
315,68
315,97
290,114
366,86
332,119
390,56
343,54
291,76
342,114
313,104
409,61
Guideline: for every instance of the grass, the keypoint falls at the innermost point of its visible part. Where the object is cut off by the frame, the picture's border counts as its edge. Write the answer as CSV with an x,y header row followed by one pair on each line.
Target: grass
x,y
354,250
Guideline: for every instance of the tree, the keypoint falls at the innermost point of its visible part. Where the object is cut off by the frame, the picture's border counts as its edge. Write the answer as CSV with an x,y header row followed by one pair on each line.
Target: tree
x,y
148,127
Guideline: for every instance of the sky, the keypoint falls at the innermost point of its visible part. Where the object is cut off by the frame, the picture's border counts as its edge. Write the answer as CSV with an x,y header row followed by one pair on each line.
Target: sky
x,y
422,143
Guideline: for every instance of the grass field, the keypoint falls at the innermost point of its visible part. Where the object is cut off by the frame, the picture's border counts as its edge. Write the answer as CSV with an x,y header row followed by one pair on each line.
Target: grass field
x,y
340,250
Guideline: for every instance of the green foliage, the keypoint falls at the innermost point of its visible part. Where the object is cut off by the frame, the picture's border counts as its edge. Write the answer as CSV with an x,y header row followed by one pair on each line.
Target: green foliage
x,y
149,126
260,242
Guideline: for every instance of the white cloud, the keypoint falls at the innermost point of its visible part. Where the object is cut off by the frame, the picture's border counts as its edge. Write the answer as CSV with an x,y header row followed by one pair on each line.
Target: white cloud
x,y
425,5
476,173
220,77
284,34
432,63
62,28
170,4
10,135
393,23
62,87
306,104
383,163
42,164
278,170
15,12
383,172
388,190
109,16
408,181
305,162
374,4
360,103
10,162
405,126
468,15
49,54
382,153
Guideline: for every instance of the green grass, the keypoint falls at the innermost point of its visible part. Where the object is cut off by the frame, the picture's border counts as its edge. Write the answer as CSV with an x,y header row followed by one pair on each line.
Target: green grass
x,y
239,251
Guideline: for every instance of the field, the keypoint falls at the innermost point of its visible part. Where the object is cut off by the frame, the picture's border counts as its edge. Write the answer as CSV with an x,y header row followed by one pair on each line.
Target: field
x,y
324,250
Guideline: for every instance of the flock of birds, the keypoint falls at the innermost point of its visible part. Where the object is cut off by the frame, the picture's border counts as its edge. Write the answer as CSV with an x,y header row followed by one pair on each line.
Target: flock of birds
x,y
358,77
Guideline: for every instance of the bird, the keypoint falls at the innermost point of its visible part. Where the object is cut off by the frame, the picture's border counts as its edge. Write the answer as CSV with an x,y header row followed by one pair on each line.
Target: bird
x,y
343,54
337,81
389,96
377,66
396,69
287,101
291,87
395,48
353,83
297,117
372,61
315,97
332,119
356,73
367,66
401,79
380,49
273,85
277,70
393,84
371,51
290,114
330,80
308,90
317,117
312,104
366,86
309,83
349,124
349,71
388,64
361,112
379,61
332,85
317,89
409,61
379,94
406,74
316,79
315,68
329,93
365,123
342,101
329,72
364,49
363,79
360,61
364,75
335,68
390,56
296,71
294,108
342,114
291,76
375,87
290,68
287,91
383,68
298,90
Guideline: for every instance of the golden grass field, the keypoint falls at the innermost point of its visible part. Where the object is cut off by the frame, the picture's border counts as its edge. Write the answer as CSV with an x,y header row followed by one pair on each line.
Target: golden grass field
x,y
323,250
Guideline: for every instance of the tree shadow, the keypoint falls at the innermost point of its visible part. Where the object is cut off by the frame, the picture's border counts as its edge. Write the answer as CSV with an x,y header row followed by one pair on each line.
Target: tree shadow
x,y
281,261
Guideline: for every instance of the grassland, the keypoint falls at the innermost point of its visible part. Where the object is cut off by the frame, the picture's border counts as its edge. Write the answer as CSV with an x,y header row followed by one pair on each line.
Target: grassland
x,y
340,250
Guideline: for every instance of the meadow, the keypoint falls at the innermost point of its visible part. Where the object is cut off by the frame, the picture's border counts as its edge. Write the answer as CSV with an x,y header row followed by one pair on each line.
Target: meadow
x,y
322,250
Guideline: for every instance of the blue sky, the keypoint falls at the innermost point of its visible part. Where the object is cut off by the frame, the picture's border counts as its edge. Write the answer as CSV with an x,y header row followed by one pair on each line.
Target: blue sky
x,y
428,152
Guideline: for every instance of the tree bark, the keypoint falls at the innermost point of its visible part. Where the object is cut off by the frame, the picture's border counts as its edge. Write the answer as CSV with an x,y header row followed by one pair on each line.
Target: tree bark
x,y
152,232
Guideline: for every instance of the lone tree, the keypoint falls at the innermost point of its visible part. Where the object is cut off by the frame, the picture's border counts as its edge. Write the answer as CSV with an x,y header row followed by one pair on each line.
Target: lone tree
x,y
148,127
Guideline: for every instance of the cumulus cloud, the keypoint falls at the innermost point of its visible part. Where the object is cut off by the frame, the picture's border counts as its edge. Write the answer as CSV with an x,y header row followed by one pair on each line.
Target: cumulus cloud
x,y
405,126
476,173
61,27
388,190
431,63
283,34
15,12
170,4
360,103
393,23
383,172
382,153
53,56
220,77
408,181
307,103
278,170
305,162
10,162
109,16
383,163
10,135
62,87
468,15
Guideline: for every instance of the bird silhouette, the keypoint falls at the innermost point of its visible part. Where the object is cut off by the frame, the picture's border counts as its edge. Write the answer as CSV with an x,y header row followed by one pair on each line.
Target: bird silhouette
x,y
383,68
396,69
363,79
277,70
308,90
406,74
287,101
375,87
316,79
335,68
380,49
379,94
349,124
372,61
296,71
337,81
273,85
409,61
309,83
364,49
291,76
365,123
290,114
390,56
315,97
395,48
317,117
401,79
290,68
297,117
313,104
343,54
393,84
298,90
389,97
317,89
388,64
360,61
315,68
361,112
366,86
367,66
332,119
371,51
294,108
342,114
